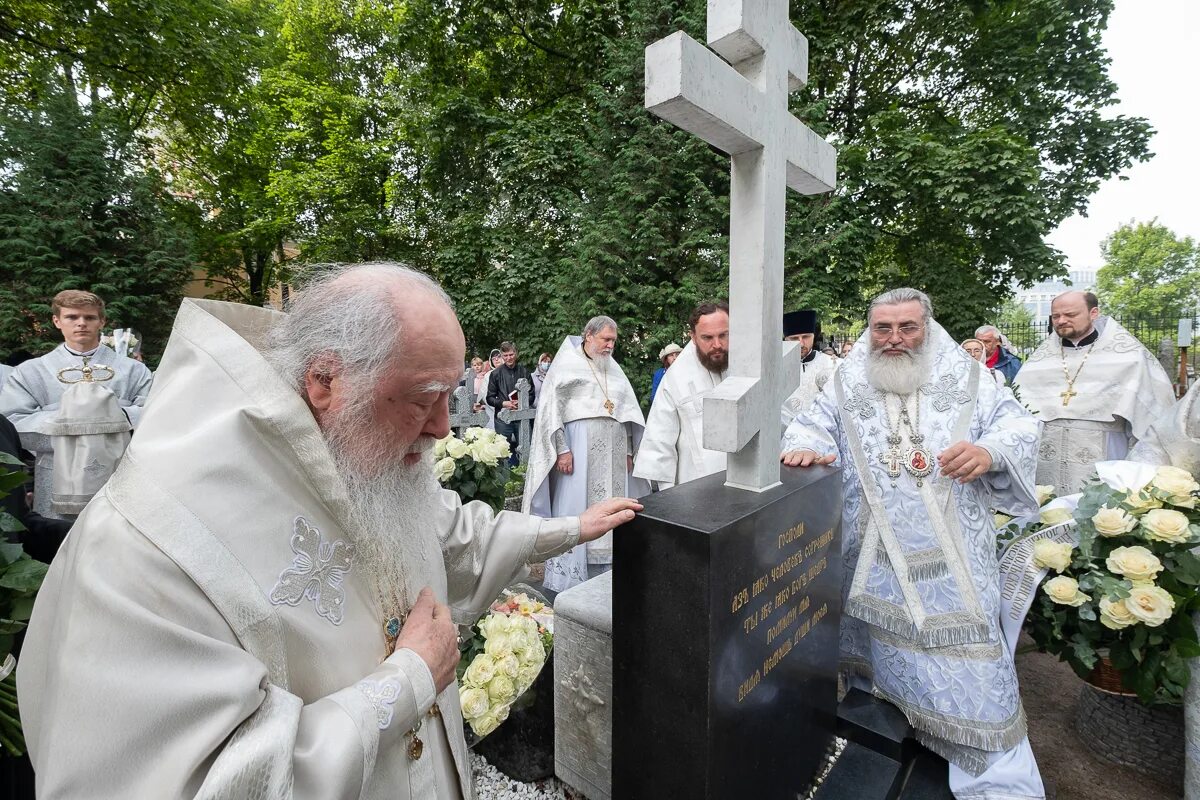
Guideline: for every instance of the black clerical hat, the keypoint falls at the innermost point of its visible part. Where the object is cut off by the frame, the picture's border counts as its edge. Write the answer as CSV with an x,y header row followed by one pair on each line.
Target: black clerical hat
x,y
802,321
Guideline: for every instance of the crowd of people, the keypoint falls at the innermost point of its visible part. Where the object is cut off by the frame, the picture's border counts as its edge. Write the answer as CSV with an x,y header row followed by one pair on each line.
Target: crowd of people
x,y
302,631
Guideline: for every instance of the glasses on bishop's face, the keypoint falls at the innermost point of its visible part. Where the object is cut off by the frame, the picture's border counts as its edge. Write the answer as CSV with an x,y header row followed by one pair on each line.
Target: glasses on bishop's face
x,y
907,331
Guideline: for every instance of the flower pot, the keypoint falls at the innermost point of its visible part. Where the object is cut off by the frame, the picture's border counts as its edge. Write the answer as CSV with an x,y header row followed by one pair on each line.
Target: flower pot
x,y
1120,729
1105,676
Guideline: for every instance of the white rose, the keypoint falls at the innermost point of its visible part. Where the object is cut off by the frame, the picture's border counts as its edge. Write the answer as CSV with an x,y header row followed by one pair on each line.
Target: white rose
x,y
481,452
1064,591
456,448
508,664
1052,555
1165,525
1045,493
472,433
443,469
439,447
474,702
1178,484
1053,516
526,677
1136,563
1113,521
493,623
481,670
1114,615
498,644
1000,520
485,724
1140,502
502,689
498,448
1150,604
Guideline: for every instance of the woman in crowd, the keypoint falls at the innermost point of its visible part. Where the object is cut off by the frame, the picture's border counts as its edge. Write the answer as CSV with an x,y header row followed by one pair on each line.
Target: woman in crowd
x,y
975,350
482,370
539,374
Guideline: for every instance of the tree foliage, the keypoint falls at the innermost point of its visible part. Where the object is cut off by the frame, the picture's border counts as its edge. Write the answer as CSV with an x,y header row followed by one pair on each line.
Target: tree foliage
x,y
504,147
1149,272
76,214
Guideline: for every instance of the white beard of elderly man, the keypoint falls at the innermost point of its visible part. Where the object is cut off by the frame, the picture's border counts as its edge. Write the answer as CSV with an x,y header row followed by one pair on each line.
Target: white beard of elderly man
x,y
928,445
263,600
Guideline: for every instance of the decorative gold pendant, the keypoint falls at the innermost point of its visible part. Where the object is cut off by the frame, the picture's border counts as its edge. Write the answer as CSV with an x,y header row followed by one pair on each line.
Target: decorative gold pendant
x,y
609,407
416,747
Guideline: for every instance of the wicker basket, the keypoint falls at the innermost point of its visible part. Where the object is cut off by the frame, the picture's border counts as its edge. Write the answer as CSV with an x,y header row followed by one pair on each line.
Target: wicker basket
x,y
1105,676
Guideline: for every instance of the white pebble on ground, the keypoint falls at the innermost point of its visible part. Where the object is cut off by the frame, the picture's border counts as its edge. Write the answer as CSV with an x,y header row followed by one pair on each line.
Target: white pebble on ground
x,y
492,784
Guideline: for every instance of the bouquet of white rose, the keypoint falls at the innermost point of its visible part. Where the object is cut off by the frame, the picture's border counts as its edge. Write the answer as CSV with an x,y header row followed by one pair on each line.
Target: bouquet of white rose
x,y
475,466
1123,598
502,660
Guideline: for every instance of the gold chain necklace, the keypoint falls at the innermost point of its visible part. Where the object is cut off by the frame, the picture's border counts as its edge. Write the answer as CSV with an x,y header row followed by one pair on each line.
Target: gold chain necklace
x,y
1070,392
608,403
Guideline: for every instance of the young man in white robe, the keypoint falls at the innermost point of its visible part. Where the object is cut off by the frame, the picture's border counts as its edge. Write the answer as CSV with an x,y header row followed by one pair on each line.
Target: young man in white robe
x,y
263,600
30,397
928,445
672,451
588,427
815,367
1096,388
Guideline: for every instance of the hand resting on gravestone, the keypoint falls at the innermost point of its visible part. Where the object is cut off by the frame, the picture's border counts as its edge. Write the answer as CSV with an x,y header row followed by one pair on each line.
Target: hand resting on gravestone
x,y
604,516
805,458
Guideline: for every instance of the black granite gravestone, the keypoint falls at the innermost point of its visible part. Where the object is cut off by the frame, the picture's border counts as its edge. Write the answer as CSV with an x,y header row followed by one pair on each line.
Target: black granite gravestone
x,y
726,605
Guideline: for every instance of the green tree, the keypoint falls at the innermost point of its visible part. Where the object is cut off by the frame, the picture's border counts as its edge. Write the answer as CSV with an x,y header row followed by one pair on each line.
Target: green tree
x,y
1149,272
75,213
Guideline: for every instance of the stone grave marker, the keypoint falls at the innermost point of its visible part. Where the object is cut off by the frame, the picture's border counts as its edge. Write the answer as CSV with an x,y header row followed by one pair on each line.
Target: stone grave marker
x,y
725,641
462,407
523,416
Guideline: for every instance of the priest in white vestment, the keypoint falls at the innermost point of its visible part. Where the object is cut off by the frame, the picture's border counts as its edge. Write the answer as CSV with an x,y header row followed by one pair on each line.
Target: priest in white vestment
x,y
804,327
587,430
928,445
672,451
263,600
1096,388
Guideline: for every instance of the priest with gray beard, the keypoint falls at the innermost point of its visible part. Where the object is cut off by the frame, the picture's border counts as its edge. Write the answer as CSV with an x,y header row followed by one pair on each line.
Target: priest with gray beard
x,y
263,600
928,445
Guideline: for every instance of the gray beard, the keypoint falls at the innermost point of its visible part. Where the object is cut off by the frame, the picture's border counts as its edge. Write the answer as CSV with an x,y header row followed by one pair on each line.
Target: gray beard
x,y
394,544
900,375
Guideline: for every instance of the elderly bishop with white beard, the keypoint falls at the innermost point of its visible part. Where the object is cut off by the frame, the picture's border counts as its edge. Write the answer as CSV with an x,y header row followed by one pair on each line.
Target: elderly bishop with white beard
x,y
263,600
588,428
928,445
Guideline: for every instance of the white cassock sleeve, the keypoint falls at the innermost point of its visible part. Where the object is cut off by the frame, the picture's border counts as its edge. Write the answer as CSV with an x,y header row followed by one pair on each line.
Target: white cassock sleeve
x,y
658,455
133,685
485,552
816,428
19,399
1011,435
139,382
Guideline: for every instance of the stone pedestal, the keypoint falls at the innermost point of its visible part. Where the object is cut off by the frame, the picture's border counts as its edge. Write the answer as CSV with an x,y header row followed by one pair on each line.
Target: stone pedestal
x,y
726,653
583,687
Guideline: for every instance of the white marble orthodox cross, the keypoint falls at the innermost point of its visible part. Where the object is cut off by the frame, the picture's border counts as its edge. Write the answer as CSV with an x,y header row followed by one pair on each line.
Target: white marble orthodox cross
x,y
742,110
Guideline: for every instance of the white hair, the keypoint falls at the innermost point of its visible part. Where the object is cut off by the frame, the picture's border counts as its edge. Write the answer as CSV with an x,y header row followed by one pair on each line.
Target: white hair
x,y
352,313
597,324
982,329
895,297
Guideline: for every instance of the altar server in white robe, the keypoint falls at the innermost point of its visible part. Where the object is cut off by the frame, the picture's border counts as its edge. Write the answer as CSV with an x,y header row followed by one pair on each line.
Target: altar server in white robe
x,y
263,600
1096,388
587,429
672,451
804,327
928,445
30,397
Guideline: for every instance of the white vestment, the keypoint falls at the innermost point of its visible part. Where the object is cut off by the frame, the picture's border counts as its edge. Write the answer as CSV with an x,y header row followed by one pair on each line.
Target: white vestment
x,y
814,373
207,630
1121,389
921,619
672,450
571,417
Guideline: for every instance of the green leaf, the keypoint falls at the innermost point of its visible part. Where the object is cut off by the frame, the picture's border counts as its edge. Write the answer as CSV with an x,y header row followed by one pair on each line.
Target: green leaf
x,y
9,523
9,458
25,575
10,552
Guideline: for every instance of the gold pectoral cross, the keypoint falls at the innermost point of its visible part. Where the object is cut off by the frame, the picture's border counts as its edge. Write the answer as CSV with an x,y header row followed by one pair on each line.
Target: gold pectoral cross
x,y
1067,395
891,460
609,407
